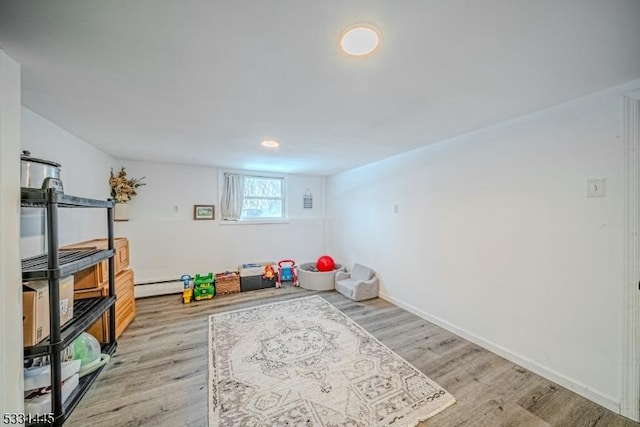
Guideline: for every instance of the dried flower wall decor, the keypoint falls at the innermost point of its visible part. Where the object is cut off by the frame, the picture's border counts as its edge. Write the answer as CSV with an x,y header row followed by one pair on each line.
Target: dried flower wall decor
x,y
123,188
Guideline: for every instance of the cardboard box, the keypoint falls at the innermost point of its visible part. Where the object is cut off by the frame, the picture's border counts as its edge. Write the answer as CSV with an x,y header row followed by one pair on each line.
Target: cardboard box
x,y
35,309
66,299
35,313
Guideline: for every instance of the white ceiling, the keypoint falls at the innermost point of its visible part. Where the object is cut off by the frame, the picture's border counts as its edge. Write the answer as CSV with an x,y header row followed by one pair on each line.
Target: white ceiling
x,y
202,82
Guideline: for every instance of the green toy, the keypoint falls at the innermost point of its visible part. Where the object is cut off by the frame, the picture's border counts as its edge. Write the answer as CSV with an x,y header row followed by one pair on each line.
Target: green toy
x,y
203,287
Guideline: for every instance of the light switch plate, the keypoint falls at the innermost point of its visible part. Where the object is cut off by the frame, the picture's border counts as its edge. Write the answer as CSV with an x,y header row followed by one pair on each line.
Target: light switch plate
x,y
597,187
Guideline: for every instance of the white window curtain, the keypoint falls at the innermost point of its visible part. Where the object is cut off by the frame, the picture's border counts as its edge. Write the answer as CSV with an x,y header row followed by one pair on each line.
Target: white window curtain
x,y
232,197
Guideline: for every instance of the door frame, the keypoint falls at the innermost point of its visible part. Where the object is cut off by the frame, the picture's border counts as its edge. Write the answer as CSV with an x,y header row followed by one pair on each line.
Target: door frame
x,y
630,393
11,350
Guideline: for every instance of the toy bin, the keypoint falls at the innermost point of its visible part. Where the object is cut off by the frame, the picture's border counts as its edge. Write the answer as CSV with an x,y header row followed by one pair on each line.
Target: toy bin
x,y
251,276
227,283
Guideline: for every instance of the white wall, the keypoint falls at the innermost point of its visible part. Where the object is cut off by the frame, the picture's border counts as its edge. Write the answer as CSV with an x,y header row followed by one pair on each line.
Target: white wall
x,y
11,391
496,240
85,172
166,243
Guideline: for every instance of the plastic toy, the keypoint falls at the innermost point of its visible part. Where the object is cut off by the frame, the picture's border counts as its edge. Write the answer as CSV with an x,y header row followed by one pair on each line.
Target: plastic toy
x,y
186,293
86,349
269,278
203,287
269,272
325,263
287,273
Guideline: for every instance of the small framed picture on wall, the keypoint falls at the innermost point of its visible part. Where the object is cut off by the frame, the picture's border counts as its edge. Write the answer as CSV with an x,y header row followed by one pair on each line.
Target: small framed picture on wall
x,y
204,212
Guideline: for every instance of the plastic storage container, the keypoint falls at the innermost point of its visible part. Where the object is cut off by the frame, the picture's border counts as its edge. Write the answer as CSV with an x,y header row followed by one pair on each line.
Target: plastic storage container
x,y
42,404
40,376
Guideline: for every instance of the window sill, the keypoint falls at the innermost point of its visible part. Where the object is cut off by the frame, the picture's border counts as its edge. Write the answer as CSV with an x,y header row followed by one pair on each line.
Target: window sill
x,y
248,222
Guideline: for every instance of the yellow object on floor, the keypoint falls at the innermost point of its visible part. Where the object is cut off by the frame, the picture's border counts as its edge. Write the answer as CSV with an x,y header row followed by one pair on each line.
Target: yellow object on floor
x,y
186,296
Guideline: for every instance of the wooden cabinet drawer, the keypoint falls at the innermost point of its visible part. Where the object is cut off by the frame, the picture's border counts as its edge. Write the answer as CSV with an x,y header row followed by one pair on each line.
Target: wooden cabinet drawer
x,y
125,305
98,275
126,302
92,277
100,329
123,301
125,313
124,282
122,254
102,291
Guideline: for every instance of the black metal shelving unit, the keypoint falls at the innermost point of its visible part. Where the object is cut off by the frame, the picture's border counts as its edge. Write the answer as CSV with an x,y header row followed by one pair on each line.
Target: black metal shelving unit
x,y
55,265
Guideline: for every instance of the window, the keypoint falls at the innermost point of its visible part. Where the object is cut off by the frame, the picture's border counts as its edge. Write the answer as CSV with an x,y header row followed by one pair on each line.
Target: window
x,y
262,198
248,197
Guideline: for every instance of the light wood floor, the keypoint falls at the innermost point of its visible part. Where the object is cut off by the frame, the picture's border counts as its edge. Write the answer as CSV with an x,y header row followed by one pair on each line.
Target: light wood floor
x,y
158,376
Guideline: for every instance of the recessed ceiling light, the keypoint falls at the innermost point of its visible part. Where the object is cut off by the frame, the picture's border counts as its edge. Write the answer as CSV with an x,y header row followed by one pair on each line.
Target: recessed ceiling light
x,y
360,40
270,143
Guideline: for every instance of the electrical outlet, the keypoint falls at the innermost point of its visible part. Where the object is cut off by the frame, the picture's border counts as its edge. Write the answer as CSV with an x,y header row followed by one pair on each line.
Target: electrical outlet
x,y
597,187
396,208
175,208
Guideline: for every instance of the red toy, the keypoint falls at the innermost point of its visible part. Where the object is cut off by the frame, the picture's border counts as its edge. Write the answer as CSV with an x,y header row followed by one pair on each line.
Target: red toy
x,y
287,273
325,263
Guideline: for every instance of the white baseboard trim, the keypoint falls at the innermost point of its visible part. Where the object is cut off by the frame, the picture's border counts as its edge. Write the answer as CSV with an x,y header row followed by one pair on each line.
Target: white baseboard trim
x,y
575,386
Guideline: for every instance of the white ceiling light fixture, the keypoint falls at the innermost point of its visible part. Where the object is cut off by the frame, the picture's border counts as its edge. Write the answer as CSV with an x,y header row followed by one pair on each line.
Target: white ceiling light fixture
x,y
270,143
360,39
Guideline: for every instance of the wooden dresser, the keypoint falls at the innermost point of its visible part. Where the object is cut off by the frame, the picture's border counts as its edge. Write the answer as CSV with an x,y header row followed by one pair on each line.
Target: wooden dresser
x,y
94,282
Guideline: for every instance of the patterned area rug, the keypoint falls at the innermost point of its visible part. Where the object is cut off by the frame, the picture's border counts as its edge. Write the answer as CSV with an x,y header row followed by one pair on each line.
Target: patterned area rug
x,y
304,363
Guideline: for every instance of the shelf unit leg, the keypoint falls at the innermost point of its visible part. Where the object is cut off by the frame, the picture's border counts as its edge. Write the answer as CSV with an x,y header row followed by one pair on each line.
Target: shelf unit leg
x,y
112,277
54,310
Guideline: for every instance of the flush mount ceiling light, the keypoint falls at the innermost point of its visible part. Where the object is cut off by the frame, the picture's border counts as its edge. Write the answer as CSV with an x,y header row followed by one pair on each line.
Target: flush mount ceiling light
x,y
270,143
360,40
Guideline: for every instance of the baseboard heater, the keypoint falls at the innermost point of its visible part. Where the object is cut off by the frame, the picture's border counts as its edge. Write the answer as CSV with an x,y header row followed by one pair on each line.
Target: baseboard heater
x,y
157,282
158,287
